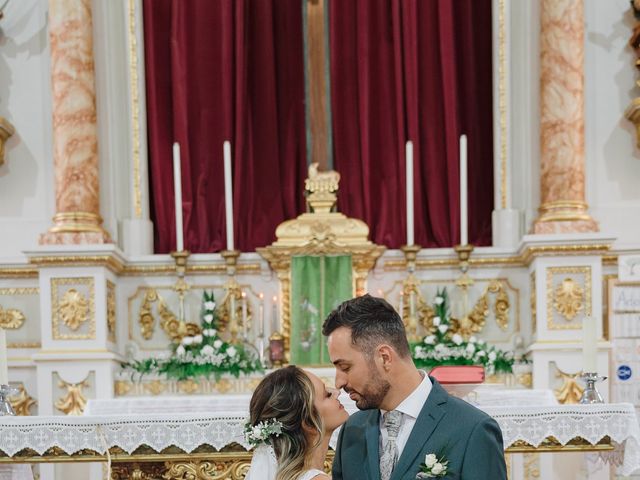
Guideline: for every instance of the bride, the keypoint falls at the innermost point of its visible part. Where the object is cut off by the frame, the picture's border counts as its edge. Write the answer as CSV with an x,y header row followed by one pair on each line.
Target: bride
x,y
292,416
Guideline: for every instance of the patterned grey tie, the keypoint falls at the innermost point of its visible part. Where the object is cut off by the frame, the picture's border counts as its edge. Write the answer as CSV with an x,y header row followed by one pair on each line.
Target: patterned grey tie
x,y
389,458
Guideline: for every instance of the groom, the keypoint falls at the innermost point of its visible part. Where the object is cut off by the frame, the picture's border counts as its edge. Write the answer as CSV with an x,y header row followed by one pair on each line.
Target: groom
x,y
406,415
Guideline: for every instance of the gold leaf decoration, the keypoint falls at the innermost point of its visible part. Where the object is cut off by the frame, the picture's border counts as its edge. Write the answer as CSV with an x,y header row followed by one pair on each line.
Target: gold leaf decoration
x,y
111,311
221,470
568,299
570,391
145,316
155,387
11,319
74,401
501,306
169,323
122,387
188,386
73,309
22,402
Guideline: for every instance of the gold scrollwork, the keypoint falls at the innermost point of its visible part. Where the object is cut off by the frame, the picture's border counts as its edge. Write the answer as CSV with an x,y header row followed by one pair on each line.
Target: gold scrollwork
x,y
137,471
111,310
232,301
568,299
570,391
22,402
11,318
73,309
221,470
74,401
174,328
531,466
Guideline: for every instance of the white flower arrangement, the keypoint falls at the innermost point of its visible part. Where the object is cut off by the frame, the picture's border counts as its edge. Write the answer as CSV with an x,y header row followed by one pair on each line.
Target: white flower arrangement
x,y
262,431
433,467
442,347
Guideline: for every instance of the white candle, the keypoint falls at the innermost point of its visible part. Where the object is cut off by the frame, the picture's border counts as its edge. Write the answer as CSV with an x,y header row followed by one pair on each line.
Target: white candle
x,y
4,368
410,214
177,190
261,316
401,306
228,194
464,223
274,319
589,345
244,314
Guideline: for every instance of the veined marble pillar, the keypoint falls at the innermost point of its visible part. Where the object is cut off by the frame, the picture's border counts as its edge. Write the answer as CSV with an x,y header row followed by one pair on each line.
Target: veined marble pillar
x,y
563,208
75,140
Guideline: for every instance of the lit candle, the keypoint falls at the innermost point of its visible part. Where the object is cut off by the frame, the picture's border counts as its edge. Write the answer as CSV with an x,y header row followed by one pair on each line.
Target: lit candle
x,y
228,194
589,345
4,368
244,314
177,190
410,214
261,316
274,319
464,233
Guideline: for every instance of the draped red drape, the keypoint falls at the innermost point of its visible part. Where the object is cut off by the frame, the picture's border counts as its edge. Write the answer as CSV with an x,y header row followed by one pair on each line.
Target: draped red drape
x,y
418,70
225,70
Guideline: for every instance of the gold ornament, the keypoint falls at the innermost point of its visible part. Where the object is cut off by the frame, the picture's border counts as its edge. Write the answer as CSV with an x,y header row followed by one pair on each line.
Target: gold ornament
x,y
73,309
568,299
11,318
570,392
74,401
22,402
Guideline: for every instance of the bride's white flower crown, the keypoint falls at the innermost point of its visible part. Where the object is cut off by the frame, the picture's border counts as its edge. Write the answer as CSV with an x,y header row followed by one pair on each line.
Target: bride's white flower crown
x,y
262,432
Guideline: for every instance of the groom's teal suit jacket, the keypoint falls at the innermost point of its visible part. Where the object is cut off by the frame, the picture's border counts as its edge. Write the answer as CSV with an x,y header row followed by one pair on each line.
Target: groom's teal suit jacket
x,y
468,438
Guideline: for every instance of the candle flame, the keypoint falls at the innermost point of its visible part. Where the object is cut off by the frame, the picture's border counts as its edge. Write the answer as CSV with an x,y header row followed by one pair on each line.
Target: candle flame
x,y
244,294
261,295
275,298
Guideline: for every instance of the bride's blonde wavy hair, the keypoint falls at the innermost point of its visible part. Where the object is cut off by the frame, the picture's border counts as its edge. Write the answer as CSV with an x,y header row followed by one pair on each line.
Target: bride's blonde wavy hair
x,y
288,395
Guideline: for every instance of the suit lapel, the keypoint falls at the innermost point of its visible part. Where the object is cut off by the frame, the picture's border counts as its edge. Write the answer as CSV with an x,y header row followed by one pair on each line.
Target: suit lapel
x,y
427,421
373,446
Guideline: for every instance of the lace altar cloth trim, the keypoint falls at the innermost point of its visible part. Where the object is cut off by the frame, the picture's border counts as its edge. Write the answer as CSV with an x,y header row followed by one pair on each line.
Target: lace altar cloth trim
x,y
564,422
189,431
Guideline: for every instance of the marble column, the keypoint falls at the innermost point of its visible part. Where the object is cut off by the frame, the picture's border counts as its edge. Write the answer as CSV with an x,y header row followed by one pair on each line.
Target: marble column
x,y
75,139
563,208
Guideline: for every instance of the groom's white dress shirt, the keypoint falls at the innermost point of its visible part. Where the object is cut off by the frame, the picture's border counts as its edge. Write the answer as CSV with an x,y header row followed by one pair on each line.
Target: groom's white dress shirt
x,y
410,408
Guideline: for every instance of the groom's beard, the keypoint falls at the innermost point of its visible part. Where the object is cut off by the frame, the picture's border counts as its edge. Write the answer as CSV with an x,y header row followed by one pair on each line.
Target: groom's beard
x,y
373,392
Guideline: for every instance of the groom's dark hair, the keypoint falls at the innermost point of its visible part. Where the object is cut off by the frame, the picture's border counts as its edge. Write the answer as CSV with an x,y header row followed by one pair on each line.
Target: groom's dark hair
x,y
372,322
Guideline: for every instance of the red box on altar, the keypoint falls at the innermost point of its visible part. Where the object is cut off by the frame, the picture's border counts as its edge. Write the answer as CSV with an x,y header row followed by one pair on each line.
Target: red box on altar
x,y
455,374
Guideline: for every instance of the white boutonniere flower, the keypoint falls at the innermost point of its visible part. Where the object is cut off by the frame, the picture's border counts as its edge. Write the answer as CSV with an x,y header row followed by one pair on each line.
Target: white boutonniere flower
x,y
433,467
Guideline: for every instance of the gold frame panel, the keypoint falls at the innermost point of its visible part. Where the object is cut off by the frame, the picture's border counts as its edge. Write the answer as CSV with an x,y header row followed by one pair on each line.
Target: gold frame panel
x,y
56,283
581,270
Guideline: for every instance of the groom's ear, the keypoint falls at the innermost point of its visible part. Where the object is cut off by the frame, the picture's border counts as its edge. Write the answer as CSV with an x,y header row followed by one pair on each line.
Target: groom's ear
x,y
385,356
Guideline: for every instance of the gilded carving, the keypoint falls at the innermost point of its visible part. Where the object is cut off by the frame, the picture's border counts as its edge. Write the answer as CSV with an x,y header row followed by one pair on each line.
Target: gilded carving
x,y
174,328
224,385
74,401
532,302
137,471
111,311
570,391
73,308
11,318
221,470
6,130
568,299
155,387
121,388
531,466
22,402
188,386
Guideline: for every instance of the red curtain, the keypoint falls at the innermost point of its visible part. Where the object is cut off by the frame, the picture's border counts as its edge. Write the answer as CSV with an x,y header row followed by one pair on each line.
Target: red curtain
x,y
218,70
419,70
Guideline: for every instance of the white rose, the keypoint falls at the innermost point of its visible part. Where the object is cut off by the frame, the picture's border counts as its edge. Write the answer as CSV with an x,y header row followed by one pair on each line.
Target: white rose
x,y
206,332
187,340
430,460
207,350
439,347
443,328
481,353
473,339
471,347
439,300
437,468
217,343
197,339
430,340
231,351
180,351
209,306
492,356
208,318
457,339
436,321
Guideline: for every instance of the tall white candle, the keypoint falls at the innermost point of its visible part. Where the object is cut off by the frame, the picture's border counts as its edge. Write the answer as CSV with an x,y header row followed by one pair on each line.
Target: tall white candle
x,y
274,320
244,314
464,221
590,345
401,305
177,190
228,194
409,188
4,367
261,316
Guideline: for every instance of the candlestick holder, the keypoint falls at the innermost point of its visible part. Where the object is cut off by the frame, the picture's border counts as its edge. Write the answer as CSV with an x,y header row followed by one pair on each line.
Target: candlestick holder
x,y
181,286
5,405
464,253
276,349
413,302
591,394
231,260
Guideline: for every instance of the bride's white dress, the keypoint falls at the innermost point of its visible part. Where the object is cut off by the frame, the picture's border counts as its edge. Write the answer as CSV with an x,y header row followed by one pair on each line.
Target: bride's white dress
x,y
264,466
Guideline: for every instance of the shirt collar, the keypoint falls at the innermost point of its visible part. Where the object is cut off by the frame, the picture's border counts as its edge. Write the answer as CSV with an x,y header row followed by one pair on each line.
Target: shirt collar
x,y
412,405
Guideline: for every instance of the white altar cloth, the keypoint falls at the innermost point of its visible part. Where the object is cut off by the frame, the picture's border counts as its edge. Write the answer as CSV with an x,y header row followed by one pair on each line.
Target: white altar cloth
x,y
188,431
